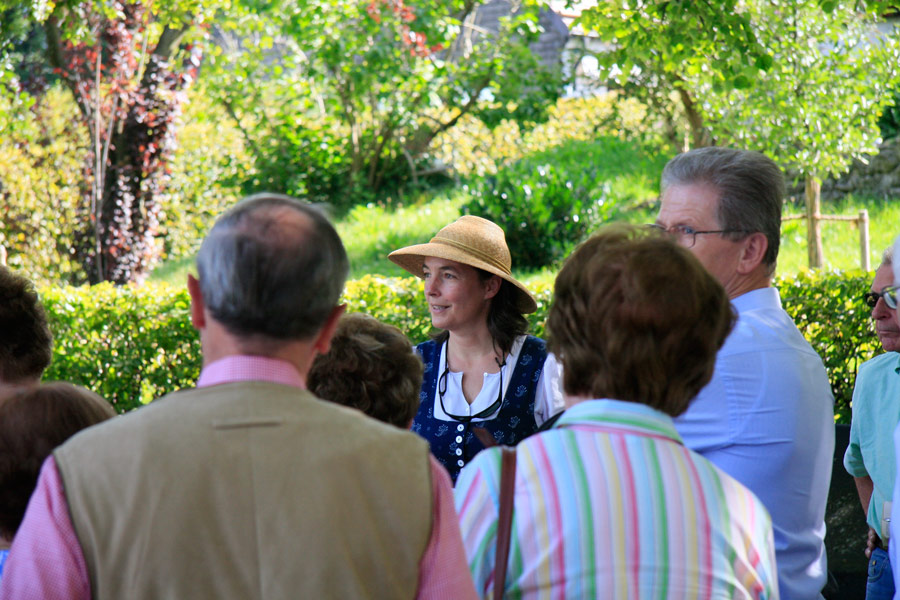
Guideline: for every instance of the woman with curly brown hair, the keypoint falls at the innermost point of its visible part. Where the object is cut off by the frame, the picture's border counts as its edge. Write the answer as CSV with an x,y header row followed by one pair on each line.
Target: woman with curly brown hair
x,y
371,366
608,502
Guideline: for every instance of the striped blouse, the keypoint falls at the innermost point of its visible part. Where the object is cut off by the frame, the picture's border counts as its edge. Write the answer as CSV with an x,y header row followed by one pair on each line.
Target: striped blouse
x,y
610,504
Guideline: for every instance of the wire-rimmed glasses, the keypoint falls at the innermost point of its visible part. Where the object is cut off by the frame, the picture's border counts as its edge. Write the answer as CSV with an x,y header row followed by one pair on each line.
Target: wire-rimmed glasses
x,y
687,236
889,294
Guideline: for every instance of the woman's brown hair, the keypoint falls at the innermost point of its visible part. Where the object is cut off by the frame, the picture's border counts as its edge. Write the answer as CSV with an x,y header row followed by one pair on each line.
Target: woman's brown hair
x,y
33,422
636,317
370,366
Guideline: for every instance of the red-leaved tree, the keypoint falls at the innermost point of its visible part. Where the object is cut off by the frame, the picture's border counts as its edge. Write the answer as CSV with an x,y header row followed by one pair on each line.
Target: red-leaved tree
x,y
128,75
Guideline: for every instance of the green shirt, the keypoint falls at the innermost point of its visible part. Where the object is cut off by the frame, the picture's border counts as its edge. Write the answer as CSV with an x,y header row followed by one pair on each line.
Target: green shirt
x,y
876,411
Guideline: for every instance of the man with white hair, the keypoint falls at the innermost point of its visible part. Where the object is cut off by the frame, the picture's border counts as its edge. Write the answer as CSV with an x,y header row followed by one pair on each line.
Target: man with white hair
x,y
876,410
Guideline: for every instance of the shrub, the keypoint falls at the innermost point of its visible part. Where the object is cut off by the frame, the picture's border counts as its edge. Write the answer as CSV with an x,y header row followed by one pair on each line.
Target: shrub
x,y
128,344
828,309
889,122
552,200
543,211
473,148
41,174
132,344
43,214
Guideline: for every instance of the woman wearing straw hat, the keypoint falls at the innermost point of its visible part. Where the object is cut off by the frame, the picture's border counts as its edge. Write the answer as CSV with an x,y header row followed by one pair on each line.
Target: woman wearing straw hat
x,y
481,369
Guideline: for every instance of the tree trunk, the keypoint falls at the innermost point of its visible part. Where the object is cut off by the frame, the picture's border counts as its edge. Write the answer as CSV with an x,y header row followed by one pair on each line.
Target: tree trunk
x,y
814,223
128,208
138,124
699,135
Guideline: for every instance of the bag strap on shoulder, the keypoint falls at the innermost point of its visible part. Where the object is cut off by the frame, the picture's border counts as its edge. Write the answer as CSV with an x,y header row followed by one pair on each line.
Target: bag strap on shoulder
x,y
504,523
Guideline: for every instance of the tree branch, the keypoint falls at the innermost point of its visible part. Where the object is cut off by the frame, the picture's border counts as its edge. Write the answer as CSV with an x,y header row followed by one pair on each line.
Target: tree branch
x,y
57,61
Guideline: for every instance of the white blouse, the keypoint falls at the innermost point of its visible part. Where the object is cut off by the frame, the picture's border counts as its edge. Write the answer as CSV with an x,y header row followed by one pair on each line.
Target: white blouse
x,y
548,398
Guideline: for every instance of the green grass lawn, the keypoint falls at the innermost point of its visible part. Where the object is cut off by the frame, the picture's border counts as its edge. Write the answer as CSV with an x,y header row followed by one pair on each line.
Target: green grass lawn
x,y
840,238
370,233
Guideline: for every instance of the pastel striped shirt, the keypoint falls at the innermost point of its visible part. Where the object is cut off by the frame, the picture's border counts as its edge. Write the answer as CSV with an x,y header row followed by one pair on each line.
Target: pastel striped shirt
x,y
610,504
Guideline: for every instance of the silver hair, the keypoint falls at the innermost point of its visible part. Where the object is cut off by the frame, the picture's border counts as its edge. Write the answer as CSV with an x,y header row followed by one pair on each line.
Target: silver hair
x,y
887,257
264,275
750,185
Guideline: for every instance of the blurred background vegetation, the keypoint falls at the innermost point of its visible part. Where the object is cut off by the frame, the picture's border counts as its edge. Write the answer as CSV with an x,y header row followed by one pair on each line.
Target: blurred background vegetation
x,y
126,127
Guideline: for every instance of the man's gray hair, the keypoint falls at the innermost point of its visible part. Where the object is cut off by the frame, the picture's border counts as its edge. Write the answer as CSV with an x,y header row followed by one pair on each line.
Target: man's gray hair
x,y
264,275
750,186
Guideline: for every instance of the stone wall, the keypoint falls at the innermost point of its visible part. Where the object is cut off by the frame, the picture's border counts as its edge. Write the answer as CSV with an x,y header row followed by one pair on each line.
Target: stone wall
x,y
878,179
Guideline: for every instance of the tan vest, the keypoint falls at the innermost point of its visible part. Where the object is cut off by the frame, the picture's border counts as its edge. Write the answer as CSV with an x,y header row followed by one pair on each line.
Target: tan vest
x,y
248,490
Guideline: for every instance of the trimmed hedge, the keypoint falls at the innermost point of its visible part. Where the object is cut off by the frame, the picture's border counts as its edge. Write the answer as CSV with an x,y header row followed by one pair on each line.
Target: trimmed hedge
x,y
129,344
829,311
133,344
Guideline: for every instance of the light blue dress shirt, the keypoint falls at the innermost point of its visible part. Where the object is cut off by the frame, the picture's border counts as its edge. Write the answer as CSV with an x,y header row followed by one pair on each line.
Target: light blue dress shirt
x,y
767,419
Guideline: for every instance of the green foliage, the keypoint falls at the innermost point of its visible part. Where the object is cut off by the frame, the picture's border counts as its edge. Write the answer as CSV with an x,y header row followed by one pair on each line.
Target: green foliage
x,y
399,301
889,122
132,344
829,68
341,100
552,200
830,313
659,36
769,76
129,344
200,184
543,210
14,30
473,148
126,65
42,179
40,190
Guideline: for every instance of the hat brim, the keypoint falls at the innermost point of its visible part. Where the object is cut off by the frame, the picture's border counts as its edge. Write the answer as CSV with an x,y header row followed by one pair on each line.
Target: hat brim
x,y
412,259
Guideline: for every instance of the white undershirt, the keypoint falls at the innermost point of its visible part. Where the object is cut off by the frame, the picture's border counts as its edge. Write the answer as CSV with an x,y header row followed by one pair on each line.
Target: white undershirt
x,y
548,398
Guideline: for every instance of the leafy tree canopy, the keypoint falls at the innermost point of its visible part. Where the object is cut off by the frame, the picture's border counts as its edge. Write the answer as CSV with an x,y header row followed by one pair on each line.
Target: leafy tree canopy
x,y
343,97
802,81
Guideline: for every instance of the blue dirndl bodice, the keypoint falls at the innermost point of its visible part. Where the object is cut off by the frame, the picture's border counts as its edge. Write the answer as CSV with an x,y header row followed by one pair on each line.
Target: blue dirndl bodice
x,y
452,442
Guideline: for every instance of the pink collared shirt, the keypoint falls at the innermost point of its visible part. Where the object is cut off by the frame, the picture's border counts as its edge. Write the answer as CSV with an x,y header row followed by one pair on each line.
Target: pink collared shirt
x,y
46,561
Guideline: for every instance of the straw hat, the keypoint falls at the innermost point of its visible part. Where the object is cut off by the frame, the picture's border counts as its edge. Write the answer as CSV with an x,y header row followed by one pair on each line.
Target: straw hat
x,y
471,241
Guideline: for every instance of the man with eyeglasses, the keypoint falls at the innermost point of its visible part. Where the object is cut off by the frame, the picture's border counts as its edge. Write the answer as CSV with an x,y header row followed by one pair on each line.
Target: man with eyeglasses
x,y
767,416
870,455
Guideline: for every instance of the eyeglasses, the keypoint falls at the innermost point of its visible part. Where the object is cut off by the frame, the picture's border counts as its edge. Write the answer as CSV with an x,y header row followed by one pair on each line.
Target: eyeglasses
x,y
889,294
442,389
871,298
687,236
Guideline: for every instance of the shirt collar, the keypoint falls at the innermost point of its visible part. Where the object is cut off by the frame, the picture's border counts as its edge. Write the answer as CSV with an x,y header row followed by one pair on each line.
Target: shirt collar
x,y
766,297
628,417
234,369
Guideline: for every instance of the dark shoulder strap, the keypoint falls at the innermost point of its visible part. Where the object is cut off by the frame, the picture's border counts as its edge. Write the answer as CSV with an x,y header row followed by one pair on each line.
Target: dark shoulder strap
x,y
504,523
549,423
